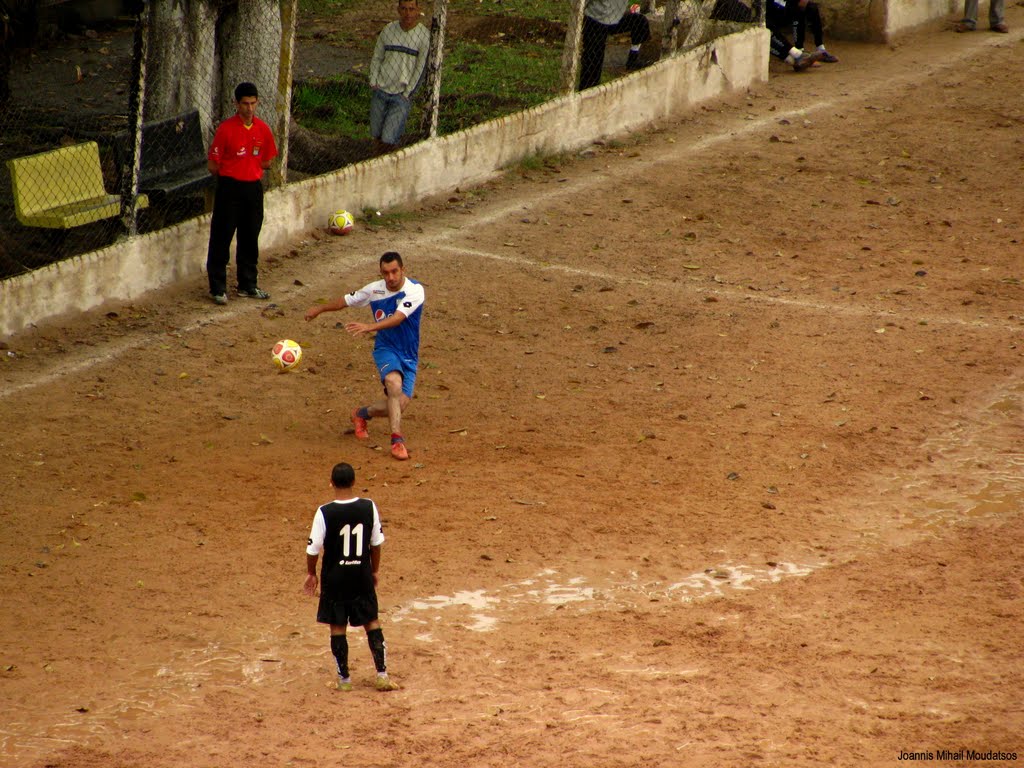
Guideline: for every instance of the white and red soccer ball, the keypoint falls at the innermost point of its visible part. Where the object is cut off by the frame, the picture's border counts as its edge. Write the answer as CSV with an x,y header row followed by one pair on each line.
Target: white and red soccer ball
x,y
286,354
341,223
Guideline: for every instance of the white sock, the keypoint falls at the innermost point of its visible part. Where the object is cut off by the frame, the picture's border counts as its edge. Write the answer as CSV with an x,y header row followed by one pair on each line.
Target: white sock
x,y
821,47
634,49
795,53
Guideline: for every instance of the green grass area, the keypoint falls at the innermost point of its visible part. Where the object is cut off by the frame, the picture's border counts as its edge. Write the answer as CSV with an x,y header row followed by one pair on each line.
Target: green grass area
x,y
338,107
480,82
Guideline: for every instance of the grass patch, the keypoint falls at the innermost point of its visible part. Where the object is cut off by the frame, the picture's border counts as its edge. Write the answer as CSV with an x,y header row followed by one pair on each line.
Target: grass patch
x,y
480,82
336,107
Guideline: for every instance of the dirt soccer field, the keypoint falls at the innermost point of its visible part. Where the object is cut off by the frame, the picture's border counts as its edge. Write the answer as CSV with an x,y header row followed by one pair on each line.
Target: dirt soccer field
x,y
717,461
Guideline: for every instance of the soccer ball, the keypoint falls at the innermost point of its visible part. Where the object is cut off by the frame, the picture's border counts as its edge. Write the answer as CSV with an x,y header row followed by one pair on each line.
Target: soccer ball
x,y
341,223
286,354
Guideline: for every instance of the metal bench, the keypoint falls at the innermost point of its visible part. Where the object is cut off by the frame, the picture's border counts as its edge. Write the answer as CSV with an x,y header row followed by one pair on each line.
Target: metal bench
x,y
173,157
63,188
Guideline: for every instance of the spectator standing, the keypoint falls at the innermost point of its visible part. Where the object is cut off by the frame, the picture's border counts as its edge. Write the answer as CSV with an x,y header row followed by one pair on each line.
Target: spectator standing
x,y
242,149
396,69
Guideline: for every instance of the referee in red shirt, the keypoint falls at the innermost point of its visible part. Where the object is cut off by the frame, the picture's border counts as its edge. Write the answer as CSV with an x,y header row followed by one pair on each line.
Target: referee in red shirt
x,y
242,149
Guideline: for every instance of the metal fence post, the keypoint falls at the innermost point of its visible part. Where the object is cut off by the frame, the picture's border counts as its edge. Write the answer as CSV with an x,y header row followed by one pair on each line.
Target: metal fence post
x,y
136,103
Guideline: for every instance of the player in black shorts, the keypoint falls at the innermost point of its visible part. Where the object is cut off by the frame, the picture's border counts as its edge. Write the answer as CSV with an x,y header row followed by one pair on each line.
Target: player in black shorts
x,y
348,532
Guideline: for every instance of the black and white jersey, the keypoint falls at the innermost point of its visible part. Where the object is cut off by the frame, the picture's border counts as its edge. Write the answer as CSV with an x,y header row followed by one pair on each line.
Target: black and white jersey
x,y
344,531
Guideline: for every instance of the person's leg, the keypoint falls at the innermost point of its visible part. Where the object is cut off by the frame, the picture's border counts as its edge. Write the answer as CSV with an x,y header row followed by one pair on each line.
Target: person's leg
x,y
378,110
395,402
639,30
812,20
970,18
595,35
378,105
997,15
222,228
365,614
776,22
395,118
636,24
795,18
247,251
379,651
339,649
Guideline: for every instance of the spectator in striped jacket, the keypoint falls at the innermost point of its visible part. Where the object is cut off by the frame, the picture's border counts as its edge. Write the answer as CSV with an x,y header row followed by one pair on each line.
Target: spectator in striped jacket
x,y
396,69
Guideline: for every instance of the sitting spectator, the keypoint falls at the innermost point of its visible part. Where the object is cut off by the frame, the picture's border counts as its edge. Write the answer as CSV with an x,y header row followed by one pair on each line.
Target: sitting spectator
x,y
396,69
609,17
778,17
809,16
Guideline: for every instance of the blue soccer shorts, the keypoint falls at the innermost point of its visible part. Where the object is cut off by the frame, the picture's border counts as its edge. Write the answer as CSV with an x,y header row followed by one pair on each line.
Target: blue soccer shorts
x,y
387,361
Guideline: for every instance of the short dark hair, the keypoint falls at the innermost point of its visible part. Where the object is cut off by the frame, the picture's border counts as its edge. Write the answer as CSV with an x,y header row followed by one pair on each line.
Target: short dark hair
x,y
246,89
343,476
390,256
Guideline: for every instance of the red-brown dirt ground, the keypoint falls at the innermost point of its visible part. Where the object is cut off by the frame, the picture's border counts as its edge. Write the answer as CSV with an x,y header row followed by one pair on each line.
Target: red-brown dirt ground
x,y
717,462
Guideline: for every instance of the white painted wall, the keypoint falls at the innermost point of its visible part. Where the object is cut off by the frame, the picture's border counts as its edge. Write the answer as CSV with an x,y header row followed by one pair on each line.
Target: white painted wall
x,y
882,20
126,270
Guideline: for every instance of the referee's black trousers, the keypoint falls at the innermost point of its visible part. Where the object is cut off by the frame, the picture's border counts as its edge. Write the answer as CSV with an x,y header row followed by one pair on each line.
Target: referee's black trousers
x,y
237,207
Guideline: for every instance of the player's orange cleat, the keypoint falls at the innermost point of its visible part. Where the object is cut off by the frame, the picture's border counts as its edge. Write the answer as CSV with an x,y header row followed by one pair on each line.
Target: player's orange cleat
x,y
399,451
360,424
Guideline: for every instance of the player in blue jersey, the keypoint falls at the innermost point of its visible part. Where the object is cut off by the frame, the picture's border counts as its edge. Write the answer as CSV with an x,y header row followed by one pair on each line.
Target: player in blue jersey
x,y
397,305
348,532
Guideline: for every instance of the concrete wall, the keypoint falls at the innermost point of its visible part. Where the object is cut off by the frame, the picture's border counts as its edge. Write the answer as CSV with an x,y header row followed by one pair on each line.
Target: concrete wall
x,y
128,269
881,20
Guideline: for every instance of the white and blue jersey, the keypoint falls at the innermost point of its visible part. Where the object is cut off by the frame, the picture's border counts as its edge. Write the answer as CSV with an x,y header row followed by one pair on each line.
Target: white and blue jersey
x,y
395,348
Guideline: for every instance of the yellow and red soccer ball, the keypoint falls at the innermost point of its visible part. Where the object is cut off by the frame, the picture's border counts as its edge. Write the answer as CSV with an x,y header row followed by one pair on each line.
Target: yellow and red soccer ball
x,y
340,223
286,354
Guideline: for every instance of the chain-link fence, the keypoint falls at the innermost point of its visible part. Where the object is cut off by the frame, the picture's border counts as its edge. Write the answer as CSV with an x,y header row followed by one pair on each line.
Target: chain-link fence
x,y
107,109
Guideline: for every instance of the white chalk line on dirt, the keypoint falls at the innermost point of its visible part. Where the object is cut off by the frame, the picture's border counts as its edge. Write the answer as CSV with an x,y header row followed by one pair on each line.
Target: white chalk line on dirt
x,y
688,152
553,594
112,350
483,610
998,492
741,295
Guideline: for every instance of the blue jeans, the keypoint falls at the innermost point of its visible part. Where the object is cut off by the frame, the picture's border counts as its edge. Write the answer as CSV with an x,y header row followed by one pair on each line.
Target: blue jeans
x,y
996,12
388,114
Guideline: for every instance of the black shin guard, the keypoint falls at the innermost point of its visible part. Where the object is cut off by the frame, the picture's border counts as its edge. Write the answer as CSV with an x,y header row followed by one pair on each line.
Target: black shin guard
x,y
339,647
375,637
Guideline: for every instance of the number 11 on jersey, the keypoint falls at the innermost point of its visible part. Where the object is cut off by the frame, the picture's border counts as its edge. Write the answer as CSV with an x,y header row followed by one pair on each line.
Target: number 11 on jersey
x,y
348,533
